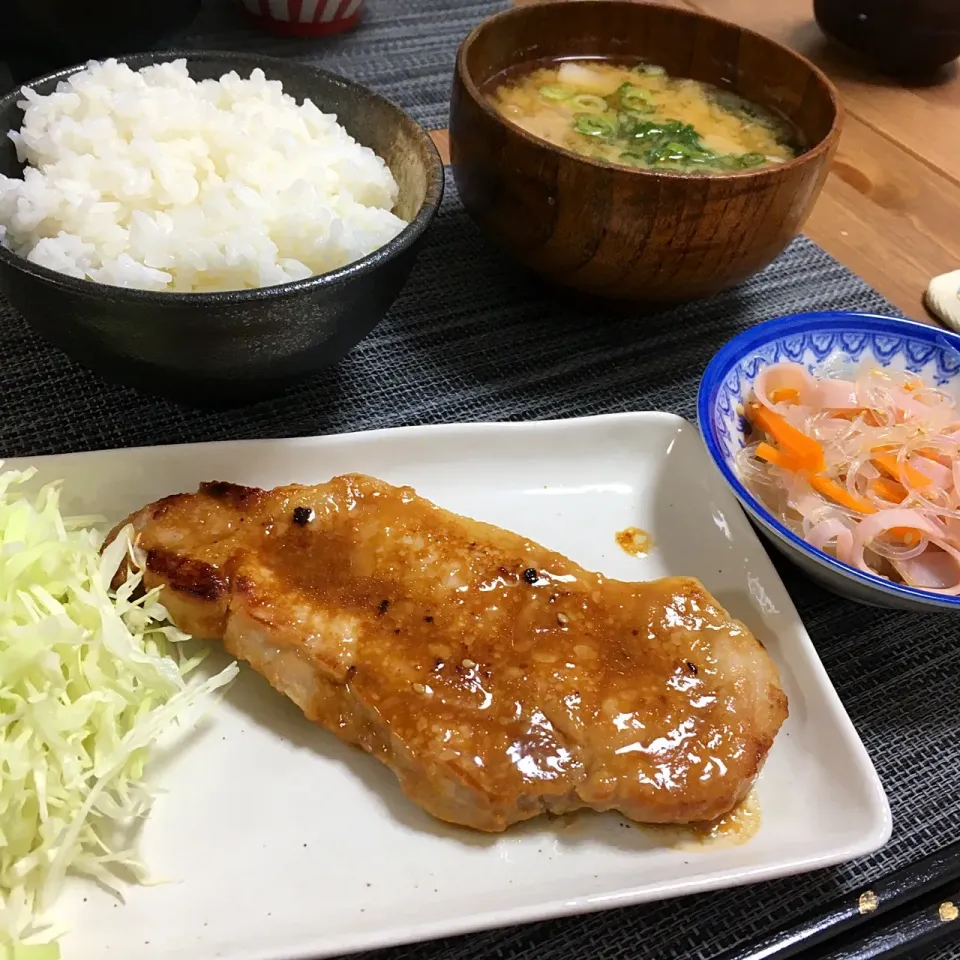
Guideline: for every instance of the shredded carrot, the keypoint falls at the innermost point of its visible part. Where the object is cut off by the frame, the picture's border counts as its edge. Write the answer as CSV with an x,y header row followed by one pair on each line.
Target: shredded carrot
x,y
889,490
773,455
805,452
849,415
894,492
938,456
833,490
785,395
907,535
888,463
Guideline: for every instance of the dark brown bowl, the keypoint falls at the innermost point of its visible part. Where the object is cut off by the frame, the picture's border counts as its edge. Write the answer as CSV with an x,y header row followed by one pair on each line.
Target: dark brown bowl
x,y
40,36
216,348
624,233
900,36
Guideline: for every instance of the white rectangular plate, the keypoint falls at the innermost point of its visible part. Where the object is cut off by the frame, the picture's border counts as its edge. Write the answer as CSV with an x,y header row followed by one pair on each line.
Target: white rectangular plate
x,y
283,843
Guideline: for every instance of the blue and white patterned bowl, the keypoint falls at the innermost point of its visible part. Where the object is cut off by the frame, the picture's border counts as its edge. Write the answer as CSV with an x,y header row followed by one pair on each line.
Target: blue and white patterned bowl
x,y
812,339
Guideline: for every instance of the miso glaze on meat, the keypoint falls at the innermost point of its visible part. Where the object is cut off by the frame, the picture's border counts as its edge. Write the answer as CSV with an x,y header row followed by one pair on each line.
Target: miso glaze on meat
x,y
498,679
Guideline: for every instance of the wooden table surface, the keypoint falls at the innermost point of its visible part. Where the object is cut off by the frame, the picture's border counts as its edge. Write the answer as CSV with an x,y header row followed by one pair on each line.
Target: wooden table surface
x,y
890,210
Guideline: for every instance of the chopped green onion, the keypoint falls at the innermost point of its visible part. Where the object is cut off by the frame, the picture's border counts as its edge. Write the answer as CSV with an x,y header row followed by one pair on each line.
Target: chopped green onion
x,y
633,98
644,130
627,124
746,160
555,91
680,150
623,120
587,101
601,126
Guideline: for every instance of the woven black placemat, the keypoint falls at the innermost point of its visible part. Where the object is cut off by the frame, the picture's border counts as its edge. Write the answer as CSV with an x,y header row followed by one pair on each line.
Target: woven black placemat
x,y
474,338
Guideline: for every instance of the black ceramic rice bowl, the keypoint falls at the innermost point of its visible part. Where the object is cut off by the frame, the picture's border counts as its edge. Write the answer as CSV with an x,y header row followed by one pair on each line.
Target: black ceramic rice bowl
x,y
235,346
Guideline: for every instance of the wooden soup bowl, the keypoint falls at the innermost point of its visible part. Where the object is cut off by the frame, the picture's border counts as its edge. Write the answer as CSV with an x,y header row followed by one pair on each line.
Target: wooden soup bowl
x,y
620,232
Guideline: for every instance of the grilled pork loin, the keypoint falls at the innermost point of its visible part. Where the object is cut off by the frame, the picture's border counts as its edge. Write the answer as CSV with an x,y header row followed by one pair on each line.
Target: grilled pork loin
x,y
496,678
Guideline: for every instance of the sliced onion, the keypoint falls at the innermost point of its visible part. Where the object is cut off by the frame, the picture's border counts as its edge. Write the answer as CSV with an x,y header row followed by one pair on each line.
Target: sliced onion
x,y
936,498
784,376
857,469
936,570
836,395
951,529
943,477
810,506
890,550
878,523
884,520
821,534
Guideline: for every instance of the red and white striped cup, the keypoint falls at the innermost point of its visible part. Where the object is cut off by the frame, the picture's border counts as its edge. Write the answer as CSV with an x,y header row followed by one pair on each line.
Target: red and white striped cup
x,y
305,18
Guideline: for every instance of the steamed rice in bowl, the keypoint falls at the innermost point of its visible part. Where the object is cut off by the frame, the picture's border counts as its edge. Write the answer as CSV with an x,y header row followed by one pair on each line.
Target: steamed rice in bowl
x,y
153,180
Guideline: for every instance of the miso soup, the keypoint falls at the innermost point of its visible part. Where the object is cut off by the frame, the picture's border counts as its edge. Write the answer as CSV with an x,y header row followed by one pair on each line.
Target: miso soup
x,y
634,114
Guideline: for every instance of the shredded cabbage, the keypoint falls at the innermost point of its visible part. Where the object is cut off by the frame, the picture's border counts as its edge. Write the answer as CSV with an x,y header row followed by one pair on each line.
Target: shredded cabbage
x,y
89,678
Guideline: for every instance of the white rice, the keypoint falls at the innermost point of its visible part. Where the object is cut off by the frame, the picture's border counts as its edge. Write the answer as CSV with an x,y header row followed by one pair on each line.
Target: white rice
x,y
150,179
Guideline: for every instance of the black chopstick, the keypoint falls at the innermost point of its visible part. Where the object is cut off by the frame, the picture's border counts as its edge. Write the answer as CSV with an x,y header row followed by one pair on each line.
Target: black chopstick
x,y
906,934
941,869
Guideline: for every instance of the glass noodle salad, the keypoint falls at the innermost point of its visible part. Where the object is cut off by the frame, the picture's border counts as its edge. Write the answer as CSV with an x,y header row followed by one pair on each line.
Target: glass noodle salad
x,y
91,676
865,467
